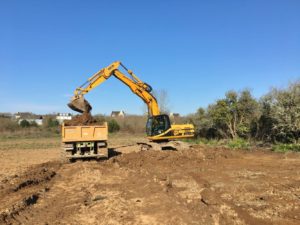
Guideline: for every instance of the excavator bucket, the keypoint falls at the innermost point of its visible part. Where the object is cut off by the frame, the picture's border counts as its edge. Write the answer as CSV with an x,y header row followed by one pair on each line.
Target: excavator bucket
x,y
79,104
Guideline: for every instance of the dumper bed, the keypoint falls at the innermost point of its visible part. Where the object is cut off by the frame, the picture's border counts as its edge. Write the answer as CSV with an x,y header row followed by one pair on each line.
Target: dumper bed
x,y
80,142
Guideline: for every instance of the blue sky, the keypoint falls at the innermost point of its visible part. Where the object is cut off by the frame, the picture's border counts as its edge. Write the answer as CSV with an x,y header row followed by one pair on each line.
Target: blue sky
x,y
195,50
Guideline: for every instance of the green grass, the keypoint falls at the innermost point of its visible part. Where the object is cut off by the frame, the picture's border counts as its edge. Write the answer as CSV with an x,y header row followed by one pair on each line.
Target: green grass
x,y
204,141
286,147
238,143
28,134
30,143
29,139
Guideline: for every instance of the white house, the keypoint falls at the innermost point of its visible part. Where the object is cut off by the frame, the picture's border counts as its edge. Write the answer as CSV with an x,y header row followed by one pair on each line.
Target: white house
x,y
174,115
30,117
24,115
117,113
60,117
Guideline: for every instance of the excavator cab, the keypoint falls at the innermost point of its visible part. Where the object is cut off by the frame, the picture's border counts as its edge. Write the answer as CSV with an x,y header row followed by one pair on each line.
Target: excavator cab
x,y
157,125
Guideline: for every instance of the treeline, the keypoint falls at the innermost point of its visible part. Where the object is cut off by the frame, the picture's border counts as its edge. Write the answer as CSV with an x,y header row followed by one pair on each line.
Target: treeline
x,y
273,118
130,124
10,128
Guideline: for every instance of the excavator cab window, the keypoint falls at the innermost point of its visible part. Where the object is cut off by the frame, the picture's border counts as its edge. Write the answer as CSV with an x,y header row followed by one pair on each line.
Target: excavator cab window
x,y
156,125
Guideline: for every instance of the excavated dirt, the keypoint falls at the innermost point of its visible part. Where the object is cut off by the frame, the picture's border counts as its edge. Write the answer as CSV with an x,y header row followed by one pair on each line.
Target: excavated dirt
x,y
80,120
196,186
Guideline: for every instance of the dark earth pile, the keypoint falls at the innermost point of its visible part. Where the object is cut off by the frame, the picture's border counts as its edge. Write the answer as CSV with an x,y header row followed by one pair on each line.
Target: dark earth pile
x,y
81,120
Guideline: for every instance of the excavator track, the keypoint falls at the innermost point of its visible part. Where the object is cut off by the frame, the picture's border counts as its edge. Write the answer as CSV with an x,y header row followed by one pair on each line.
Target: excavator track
x,y
166,145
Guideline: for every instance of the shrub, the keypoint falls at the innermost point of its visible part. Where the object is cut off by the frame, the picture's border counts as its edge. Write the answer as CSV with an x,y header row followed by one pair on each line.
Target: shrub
x,y
7,124
24,123
113,126
204,141
51,122
238,143
286,147
33,124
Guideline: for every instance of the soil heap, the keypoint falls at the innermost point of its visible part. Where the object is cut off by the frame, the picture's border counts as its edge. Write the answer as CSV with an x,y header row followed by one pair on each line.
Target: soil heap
x,y
80,120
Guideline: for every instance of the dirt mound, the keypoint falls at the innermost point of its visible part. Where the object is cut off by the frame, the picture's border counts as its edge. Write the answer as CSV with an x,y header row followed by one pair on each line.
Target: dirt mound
x,y
81,120
197,186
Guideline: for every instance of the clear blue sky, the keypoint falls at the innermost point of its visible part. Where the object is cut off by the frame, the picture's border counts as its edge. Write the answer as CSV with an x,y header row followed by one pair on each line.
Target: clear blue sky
x,y
195,50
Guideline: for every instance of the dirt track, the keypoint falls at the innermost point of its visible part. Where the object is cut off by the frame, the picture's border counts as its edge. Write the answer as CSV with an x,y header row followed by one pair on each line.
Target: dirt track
x,y
197,186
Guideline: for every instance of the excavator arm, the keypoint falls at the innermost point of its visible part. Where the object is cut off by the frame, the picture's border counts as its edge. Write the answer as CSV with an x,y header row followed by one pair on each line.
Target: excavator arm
x,y
138,87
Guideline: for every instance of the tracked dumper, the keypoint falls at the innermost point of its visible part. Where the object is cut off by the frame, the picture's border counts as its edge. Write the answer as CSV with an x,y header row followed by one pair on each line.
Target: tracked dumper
x,y
84,141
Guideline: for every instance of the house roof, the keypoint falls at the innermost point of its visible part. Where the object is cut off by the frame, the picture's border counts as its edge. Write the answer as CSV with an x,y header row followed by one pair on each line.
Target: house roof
x,y
116,113
28,115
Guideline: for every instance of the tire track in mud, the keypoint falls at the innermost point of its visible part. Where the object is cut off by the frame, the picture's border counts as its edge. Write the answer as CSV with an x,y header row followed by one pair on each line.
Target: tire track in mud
x,y
21,192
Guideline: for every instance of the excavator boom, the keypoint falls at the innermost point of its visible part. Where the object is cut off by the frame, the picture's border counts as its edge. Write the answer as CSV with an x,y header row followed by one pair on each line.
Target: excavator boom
x,y
141,89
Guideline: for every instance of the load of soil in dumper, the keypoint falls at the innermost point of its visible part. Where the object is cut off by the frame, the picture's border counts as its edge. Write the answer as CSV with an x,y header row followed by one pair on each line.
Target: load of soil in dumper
x,y
81,120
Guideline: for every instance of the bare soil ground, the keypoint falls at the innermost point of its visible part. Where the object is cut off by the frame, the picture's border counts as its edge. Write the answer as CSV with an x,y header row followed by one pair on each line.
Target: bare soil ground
x,y
197,186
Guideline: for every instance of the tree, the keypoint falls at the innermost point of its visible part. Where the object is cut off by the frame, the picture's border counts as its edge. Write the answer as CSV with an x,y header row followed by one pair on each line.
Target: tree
x,y
204,124
233,115
248,113
280,120
222,118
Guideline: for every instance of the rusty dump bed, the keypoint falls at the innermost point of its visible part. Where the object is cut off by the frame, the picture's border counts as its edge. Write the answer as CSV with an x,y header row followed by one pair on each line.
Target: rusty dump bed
x,y
84,133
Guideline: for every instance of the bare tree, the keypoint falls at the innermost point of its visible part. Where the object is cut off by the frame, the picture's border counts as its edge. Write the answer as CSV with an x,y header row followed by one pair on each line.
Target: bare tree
x,y
162,98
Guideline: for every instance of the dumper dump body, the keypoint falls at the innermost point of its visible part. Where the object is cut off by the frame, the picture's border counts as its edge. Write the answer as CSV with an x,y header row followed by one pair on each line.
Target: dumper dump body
x,y
85,141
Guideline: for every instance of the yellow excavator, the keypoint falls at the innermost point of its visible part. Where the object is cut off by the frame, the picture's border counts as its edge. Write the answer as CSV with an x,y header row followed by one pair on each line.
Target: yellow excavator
x,y
159,129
